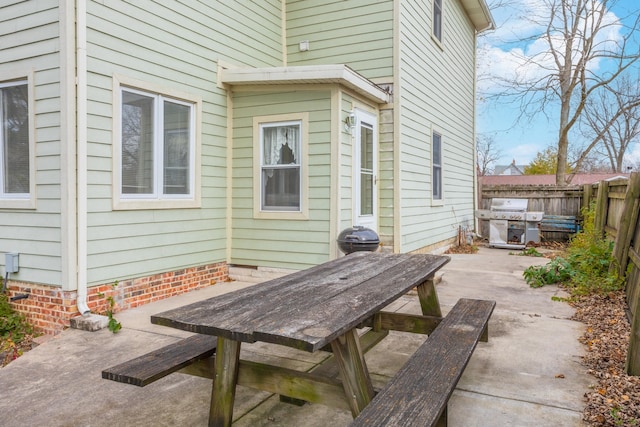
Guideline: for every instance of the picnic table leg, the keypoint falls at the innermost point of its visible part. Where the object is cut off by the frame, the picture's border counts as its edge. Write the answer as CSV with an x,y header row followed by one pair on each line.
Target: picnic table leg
x,y
353,371
429,298
224,383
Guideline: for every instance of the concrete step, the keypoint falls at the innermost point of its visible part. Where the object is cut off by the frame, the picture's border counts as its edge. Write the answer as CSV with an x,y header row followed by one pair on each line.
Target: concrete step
x,y
257,274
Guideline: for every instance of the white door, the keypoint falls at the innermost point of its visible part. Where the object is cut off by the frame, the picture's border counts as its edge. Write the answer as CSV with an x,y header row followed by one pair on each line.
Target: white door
x,y
365,170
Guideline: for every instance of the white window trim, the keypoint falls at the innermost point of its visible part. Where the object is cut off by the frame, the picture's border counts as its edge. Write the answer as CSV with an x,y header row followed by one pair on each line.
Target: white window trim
x,y
303,213
23,201
438,41
440,201
129,202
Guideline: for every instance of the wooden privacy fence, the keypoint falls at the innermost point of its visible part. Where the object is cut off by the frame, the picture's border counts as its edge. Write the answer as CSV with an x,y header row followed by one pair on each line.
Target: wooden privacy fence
x,y
617,218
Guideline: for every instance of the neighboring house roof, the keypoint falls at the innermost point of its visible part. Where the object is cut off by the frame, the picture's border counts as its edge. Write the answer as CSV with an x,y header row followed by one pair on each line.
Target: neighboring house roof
x,y
479,14
577,179
336,74
511,169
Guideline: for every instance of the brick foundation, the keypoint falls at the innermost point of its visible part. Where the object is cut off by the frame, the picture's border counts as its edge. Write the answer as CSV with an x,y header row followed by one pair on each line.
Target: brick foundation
x,y
49,309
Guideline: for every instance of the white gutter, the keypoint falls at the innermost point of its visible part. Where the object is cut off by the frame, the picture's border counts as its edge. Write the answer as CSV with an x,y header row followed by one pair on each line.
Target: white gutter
x,y
479,14
81,143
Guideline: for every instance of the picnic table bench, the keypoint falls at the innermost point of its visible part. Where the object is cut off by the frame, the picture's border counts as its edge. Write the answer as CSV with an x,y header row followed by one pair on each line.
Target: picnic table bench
x,y
418,394
152,366
336,306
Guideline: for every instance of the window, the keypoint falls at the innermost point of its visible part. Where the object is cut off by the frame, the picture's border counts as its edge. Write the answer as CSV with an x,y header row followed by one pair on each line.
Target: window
x,y
436,166
280,166
15,171
437,19
157,148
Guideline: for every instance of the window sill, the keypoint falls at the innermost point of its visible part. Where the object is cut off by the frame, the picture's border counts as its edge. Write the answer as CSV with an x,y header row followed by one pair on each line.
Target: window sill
x,y
293,216
130,204
17,203
438,42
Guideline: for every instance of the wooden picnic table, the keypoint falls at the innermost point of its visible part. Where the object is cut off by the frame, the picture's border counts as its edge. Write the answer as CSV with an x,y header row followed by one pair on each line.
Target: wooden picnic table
x,y
318,308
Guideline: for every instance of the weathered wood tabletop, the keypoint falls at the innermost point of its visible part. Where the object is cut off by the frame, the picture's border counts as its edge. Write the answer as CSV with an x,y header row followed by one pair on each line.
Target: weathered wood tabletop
x,y
310,308
318,307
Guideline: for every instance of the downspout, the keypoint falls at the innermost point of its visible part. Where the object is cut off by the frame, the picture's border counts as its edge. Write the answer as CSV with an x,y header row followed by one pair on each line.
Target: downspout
x,y
477,195
81,142
477,188
397,94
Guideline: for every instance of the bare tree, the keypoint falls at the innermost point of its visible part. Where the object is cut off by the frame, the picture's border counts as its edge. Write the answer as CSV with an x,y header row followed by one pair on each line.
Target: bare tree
x,y
610,119
487,154
564,66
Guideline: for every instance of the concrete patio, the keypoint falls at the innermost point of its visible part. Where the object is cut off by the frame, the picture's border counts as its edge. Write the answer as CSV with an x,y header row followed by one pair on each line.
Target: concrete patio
x,y
528,374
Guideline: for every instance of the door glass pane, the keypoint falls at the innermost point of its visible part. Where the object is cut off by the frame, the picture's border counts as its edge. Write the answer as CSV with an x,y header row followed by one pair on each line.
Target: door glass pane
x,y
15,138
366,170
176,148
137,143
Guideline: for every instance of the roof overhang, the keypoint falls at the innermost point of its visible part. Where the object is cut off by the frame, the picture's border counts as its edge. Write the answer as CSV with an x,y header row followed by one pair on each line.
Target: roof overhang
x,y
311,74
479,14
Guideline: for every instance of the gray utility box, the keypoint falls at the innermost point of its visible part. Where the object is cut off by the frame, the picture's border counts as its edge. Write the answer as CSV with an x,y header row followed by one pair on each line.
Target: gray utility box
x,y
11,262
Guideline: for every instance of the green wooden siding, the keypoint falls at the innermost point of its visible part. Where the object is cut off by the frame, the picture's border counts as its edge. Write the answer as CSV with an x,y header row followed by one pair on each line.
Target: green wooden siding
x,y
346,193
436,92
179,46
271,242
385,178
29,45
173,45
358,33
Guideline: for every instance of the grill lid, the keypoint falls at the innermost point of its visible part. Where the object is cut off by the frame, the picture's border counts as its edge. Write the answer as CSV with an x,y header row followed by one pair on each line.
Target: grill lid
x,y
512,205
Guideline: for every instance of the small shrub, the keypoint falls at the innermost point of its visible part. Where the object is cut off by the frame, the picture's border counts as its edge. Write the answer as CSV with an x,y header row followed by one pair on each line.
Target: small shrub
x,y
529,252
15,332
13,325
557,271
113,325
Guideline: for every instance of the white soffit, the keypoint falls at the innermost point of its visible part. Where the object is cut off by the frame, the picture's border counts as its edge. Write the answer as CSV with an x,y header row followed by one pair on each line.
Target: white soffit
x,y
479,14
311,74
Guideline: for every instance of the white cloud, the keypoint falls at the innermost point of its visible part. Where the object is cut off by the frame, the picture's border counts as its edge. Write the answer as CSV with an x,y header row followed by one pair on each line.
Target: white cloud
x,y
632,157
518,51
523,154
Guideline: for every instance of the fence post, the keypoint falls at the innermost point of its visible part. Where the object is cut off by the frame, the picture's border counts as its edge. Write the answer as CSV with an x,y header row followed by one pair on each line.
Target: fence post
x,y
587,190
628,221
633,355
602,206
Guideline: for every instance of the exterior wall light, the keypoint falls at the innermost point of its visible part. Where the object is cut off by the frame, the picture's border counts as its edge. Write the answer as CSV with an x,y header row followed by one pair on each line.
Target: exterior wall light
x,y
350,122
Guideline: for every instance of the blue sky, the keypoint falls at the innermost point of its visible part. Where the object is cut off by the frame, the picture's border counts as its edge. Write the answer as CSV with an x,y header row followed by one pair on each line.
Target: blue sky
x,y
500,53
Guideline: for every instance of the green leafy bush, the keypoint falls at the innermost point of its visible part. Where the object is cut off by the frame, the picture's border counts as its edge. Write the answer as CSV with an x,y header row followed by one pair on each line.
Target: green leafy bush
x,y
586,267
13,325
557,271
529,252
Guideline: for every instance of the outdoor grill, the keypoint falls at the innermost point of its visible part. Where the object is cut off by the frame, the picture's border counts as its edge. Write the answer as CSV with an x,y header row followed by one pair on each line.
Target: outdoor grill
x,y
510,224
358,238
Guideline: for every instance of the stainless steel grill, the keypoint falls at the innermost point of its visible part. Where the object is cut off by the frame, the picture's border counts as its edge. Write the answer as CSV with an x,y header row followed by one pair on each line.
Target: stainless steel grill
x,y
510,224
